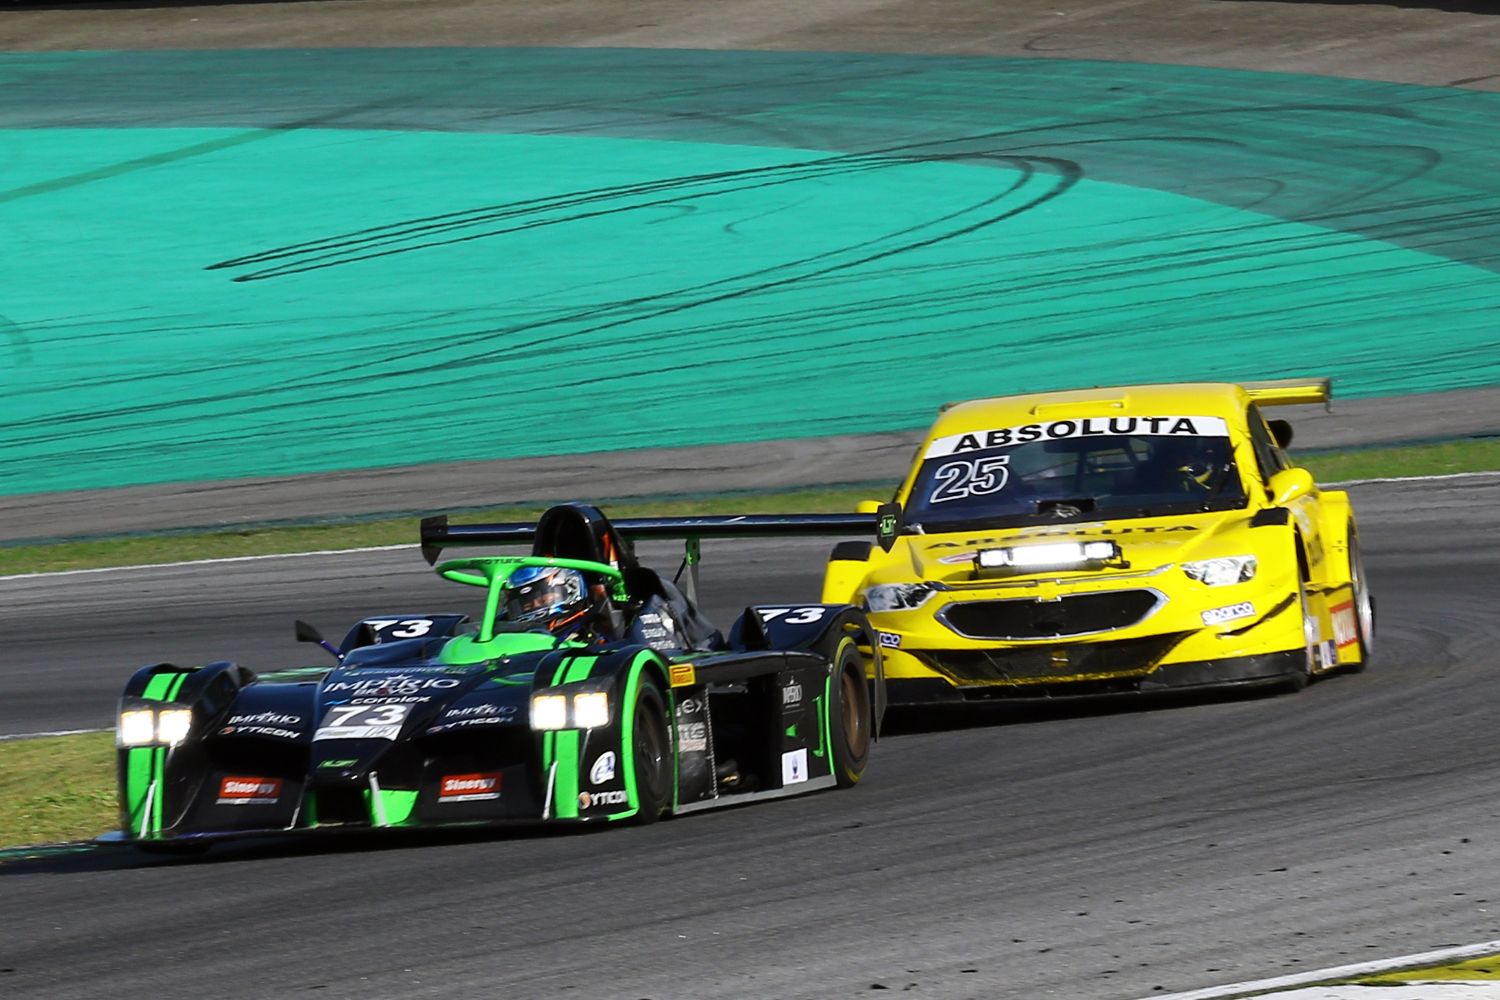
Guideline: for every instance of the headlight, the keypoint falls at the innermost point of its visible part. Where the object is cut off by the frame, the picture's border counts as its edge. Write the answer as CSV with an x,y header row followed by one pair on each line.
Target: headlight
x,y
898,596
1055,555
137,727
172,725
591,710
549,711
1221,572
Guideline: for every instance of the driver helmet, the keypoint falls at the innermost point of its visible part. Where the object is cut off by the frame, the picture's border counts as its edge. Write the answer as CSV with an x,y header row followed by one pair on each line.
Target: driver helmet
x,y
1189,458
548,595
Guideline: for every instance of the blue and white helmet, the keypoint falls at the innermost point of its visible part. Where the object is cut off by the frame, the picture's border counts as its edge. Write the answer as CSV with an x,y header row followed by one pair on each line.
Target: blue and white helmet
x,y
546,594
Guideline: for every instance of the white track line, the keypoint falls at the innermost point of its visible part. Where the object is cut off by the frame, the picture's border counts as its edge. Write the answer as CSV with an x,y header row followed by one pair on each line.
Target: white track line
x,y
1258,986
394,548
204,562
55,732
1415,479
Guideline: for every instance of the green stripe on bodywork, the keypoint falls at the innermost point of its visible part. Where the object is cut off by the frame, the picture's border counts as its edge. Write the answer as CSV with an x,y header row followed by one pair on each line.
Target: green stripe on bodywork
x,y
397,804
562,748
137,780
145,766
156,687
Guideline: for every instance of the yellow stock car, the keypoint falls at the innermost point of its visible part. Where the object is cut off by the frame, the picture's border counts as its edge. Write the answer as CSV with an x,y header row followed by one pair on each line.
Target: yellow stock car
x,y
1133,539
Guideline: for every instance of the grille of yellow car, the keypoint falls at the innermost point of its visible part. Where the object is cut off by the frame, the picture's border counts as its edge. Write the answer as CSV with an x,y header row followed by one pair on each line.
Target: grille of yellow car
x,y
1051,663
1070,615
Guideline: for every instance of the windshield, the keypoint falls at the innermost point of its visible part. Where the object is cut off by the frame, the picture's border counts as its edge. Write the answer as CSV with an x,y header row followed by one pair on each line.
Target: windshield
x,y
1069,470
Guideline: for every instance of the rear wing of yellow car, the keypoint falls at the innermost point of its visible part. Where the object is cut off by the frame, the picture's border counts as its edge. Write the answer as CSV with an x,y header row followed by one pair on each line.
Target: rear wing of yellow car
x,y
1290,391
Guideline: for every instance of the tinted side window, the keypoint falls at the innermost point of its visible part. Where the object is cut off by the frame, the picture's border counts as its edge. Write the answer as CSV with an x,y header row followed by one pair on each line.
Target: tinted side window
x,y
1267,456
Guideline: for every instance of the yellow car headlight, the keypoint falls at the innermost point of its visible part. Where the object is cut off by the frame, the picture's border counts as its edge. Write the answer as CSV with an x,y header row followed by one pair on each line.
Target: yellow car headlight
x,y
1221,572
899,596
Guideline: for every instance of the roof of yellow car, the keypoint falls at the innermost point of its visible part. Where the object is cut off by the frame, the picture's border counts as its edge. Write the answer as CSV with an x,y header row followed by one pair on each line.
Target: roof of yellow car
x,y
1221,399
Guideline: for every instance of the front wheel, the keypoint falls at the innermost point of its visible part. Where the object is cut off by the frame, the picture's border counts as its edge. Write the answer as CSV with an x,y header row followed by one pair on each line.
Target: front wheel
x,y
1310,634
849,714
651,751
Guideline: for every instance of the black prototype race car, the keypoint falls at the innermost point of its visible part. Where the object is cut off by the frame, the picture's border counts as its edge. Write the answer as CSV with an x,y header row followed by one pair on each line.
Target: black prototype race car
x,y
636,708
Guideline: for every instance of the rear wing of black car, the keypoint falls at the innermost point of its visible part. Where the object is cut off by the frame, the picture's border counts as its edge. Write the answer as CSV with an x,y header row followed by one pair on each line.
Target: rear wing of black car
x,y
582,531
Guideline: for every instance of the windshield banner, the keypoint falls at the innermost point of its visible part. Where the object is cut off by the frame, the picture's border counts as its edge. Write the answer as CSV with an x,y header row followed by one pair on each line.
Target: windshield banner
x,y
1056,430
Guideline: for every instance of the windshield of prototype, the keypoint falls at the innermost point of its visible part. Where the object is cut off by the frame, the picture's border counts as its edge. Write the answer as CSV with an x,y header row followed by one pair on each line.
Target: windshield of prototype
x,y
1082,469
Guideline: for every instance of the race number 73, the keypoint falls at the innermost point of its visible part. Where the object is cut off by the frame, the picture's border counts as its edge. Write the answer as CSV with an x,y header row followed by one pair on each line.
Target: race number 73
x,y
365,715
976,477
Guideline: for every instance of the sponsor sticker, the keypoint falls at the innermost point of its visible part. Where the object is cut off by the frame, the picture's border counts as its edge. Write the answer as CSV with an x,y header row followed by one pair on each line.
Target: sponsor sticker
x,y
262,724
469,787
587,800
890,640
682,675
1345,628
1055,430
362,722
249,791
603,769
791,697
793,616
1229,613
692,737
794,767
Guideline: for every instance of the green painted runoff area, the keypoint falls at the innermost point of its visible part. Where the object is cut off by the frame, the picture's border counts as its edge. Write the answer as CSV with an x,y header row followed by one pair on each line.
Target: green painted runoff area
x,y
271,263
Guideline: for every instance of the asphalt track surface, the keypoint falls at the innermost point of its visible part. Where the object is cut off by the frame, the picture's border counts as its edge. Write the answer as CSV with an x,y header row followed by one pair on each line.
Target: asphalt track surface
x,y
1110,851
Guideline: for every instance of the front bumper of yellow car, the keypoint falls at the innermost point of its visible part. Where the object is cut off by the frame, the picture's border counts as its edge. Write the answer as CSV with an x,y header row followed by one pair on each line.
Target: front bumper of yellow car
x,y
1121,636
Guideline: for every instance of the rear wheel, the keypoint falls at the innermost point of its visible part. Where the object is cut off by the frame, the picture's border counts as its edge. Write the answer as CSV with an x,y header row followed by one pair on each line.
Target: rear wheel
x,y
651,751
1364,606
849,714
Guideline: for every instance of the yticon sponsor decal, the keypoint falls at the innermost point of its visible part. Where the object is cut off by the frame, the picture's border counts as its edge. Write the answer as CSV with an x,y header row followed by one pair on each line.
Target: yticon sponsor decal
x,y
249,791
272,724
1345,628
469,787
1228,613
794,767
587,800
1055,430
603,769
475,715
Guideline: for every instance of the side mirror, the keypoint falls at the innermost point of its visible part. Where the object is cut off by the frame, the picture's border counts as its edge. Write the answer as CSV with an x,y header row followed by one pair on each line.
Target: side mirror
x,y
1281,432
867,507
306,632
887,524
1289,484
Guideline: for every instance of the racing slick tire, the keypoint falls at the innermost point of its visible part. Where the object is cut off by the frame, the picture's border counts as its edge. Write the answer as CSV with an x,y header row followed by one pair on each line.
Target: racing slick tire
x,y
849,714
1364,605
651,750
1299,679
